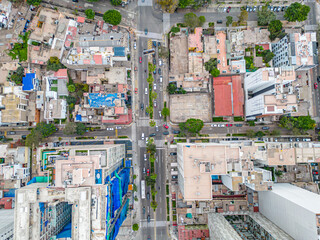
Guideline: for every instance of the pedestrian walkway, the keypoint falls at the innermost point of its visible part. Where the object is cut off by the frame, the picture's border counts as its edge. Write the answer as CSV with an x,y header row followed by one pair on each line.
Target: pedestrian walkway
x,y
166,22
145,224
152,35
149,44
145,3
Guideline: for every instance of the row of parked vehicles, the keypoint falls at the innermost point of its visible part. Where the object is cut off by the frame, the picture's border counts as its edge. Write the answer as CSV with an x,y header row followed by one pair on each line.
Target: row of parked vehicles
x,y
271,8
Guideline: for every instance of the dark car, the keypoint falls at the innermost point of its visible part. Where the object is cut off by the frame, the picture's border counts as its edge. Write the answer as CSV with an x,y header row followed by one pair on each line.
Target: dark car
x,y
142,106
155,71
159,44
154,61
159,71
318,79
148,218
2,137
265,128
24,137
238,125
146,31
173,153
152,135
75,1
314,164
11,133
176,131
148,195
147,114
174,177
165,133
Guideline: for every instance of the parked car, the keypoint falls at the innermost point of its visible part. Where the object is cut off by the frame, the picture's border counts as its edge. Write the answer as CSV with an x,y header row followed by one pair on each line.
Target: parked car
x,y
165,133
152,135
134,45
160,80
160,62
160,114
154,86
142,106
315,85
147,139
214,125
145,157
315,173
154,61
225,9
176,131
175,177
148,218
2,137
165,126
159,71
238,125
146,31
144,170
11,133
155,71
173,153
219,21
157,128
118,127
254,9
229,125
140,59
146,90
228,10
265,128
148,172
148,197
318,79
155,104
142,136
314,164
279,9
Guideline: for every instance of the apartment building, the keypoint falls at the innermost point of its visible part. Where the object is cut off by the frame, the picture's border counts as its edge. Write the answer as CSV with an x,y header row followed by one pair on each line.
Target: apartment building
x,y
269,92
296,49
293,209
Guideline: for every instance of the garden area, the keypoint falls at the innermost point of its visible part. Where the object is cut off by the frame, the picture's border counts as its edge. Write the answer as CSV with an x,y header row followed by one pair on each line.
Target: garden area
x,y
20,50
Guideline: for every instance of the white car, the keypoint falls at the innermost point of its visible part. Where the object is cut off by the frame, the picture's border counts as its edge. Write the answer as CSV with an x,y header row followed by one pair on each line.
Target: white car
x,y
118,127
160,79
160,62
111,129
155,104
134,45
147,140
154,86
157,128
159,113
145,157
222,125
214,125
146,91
142,136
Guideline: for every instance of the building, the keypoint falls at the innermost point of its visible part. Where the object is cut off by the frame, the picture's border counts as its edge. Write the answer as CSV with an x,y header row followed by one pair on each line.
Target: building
x,y
200,164
55,109
293,209
269,92
244,225
89,186
228,96
296,49
6,223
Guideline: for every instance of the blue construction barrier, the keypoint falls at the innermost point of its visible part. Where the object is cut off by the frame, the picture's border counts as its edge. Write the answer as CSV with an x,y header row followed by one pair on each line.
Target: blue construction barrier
x,y
9,192
119,221
65,232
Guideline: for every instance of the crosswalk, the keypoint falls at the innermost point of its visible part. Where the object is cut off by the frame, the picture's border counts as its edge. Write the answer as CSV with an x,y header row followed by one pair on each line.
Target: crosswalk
x,y
149,44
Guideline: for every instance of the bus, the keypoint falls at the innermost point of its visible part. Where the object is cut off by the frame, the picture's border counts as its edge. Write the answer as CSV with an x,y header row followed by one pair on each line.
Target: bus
x,y
143,189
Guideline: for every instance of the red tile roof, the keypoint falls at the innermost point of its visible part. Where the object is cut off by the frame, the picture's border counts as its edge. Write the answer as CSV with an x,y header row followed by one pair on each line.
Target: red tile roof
x,y
86,61
97,59
189,234
80,19
265,46
61,73
223,101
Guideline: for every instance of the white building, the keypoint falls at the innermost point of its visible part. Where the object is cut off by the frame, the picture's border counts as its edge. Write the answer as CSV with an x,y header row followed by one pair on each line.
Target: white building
x,y
293,209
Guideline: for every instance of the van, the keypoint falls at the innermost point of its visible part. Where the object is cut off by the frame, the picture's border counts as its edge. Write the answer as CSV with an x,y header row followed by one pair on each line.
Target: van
x,y
142,136
146,90
219,21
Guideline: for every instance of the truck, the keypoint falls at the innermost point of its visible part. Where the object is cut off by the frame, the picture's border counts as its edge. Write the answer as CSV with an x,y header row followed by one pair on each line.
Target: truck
x,y
143,189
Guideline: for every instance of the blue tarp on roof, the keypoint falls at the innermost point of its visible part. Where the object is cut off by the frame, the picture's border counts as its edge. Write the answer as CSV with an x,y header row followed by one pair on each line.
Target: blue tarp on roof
x,y
27,82
65,232
119,51
97,100
78,118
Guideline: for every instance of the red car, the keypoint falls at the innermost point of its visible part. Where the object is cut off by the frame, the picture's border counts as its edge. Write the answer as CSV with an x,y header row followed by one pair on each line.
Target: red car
x,y
229,125
315,172
136,90
228,10
315,85
148,172
140,59
165,126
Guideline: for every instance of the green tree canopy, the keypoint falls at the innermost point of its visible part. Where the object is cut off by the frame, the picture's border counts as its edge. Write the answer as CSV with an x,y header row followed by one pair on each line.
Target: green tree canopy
x,y
41,131
33,139
250,133
191,20
154,205
34,2
46,129
243,16
297,12
71,88
17,76
165,112
90,13
275,132
265,16
267,56
54,64
171,88
202,20
275,27
229,20
185,3
215,72
152,123
192,125
70,128
81,128
301,123
116,2
211,64
260,134
135,227
112,16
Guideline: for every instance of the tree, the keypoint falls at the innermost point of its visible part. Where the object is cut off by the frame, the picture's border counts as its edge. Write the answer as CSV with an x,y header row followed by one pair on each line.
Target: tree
x,y
152,158
90,13
191,20
33,139
202,20
165,112
211,64
171,88
168,5
151,68
70,128
185,3
46,129
85,87
154,95
151,148
275,132
163,52
301,123
192,125
153,176
229,20
112,16
243,17
81,129
274,28
259,134
116,2
267,56
215,72
297,12
149,110
135,189
71,100
150,181
71,88
154,205
34,2
250,133
135,227
265,16
54,64
278,173
152,123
